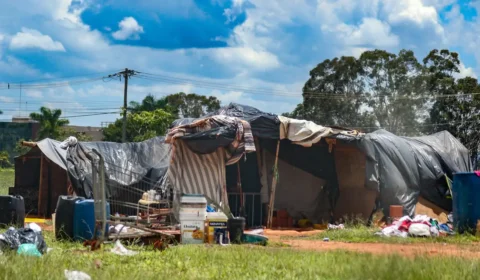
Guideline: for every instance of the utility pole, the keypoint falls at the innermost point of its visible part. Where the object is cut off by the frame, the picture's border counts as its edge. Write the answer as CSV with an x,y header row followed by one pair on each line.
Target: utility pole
x,y
125,74
124,127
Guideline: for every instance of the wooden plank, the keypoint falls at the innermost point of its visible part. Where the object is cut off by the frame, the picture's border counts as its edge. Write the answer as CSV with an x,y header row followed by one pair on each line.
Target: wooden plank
x,y
40,187
272,190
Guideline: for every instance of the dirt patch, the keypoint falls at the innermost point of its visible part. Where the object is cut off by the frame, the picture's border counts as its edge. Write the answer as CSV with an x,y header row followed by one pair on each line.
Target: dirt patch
x,y
408,250
276,235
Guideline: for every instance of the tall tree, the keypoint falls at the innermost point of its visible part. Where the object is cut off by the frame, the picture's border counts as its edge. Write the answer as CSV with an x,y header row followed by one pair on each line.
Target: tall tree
x,y
334,94
180,104
149,103
192,105
454,109
395,89
50,122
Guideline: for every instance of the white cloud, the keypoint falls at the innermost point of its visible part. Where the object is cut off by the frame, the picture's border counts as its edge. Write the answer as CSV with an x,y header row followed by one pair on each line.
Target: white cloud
x,y
6,99
371,32
128,29
34,93
246,57
414,11
465,72
31,38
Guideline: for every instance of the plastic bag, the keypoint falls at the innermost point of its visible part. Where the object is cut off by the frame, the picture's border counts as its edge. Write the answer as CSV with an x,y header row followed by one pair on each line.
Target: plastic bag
x,y
28,250
119,249
419,230
13,238
34,227
76,275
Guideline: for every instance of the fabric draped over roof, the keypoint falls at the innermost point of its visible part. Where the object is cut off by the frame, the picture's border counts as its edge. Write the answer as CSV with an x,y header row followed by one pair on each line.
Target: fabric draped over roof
x,y
400,168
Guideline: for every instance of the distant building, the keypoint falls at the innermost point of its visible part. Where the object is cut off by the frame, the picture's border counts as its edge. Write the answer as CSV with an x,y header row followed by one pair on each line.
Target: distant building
x,y
95,132
17,128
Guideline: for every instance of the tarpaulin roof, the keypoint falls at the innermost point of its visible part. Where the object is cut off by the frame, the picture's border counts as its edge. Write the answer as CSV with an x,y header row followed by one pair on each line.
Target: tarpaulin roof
x,y
51,149
401,168
126,163
264,125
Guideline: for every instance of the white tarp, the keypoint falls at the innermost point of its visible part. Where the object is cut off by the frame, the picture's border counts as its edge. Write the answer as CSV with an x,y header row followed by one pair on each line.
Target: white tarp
x,y
307,133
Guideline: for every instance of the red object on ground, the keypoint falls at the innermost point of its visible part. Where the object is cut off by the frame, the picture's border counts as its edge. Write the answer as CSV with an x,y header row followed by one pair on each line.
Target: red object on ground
x,y
396,211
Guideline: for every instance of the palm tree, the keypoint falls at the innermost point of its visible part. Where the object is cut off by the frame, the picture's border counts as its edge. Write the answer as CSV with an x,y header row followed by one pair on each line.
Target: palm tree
x,y
50,122
149,103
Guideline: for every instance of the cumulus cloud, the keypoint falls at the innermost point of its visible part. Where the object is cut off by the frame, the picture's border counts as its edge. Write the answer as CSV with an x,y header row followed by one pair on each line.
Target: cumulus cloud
x,y
371,32
34,93
242,56
31,38
465,72
129,29
6,99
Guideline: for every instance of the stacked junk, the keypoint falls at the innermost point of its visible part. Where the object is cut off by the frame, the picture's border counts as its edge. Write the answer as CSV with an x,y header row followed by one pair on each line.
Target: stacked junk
x,y
241,168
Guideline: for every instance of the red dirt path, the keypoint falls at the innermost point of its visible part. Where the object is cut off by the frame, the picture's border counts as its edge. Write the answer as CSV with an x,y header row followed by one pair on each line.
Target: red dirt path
x,y
409,250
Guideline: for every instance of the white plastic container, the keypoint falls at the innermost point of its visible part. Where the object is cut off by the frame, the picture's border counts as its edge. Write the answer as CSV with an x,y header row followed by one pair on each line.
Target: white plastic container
x,y
192,219
193,205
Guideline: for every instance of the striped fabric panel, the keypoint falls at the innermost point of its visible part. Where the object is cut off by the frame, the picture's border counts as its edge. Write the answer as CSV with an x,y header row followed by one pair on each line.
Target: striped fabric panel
x,y
193,173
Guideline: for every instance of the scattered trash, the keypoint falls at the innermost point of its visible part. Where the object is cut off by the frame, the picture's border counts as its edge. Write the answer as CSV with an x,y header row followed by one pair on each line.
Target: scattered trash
x,y
326,239
77,275
257,231
119,249
49,250
28,250
340,226
34,227
118,228
420,230
13,238
422,226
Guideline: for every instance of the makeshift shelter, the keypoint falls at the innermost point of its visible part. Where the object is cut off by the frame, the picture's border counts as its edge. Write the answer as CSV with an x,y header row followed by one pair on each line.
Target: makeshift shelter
x,y
41,174
41,177
314,171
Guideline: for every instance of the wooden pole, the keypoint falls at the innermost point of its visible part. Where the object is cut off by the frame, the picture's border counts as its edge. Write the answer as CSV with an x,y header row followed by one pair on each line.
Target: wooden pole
x,y
272,190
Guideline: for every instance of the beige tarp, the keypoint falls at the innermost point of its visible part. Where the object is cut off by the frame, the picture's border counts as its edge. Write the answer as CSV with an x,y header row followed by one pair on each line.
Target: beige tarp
x,y
307,133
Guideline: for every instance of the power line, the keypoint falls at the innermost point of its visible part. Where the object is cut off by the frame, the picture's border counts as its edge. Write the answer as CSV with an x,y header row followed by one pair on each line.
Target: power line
x,y
272,92
90,115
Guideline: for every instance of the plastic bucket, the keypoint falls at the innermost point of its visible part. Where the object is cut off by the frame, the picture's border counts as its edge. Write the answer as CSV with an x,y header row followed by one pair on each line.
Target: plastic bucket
x,y
236,226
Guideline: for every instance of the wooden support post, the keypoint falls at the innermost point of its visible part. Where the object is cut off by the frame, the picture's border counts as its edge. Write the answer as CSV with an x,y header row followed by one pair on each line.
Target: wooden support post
x,y
272,190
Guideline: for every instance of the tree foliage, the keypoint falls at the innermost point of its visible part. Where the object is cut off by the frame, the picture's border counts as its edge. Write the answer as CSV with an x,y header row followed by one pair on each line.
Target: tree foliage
x,y
181,105
395,92
50,122
140,126
5,160
152,116
66,132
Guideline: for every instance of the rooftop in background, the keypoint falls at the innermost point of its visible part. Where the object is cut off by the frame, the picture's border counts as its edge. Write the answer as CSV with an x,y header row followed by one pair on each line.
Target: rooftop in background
x,y
95,132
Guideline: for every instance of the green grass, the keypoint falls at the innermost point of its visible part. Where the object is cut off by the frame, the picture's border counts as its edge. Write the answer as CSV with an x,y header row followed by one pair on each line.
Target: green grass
x,y
363,234
233,262
7,180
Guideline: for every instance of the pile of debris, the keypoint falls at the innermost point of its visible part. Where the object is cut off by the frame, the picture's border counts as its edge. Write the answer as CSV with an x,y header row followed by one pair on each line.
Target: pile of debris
x,y
419,226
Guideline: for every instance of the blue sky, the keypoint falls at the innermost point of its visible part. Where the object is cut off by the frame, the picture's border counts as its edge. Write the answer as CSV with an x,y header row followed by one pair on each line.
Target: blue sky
x,y
256,52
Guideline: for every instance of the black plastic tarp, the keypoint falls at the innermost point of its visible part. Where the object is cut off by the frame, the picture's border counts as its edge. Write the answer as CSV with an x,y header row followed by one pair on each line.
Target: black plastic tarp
x,y
400,168
140,165
403,168
264,125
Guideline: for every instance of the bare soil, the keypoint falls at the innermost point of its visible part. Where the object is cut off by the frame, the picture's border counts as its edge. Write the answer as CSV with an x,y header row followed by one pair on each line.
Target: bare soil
x,y
407,250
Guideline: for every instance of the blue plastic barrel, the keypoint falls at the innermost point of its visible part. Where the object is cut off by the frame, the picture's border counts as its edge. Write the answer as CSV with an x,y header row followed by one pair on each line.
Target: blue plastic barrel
x,y
84,219
466,201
